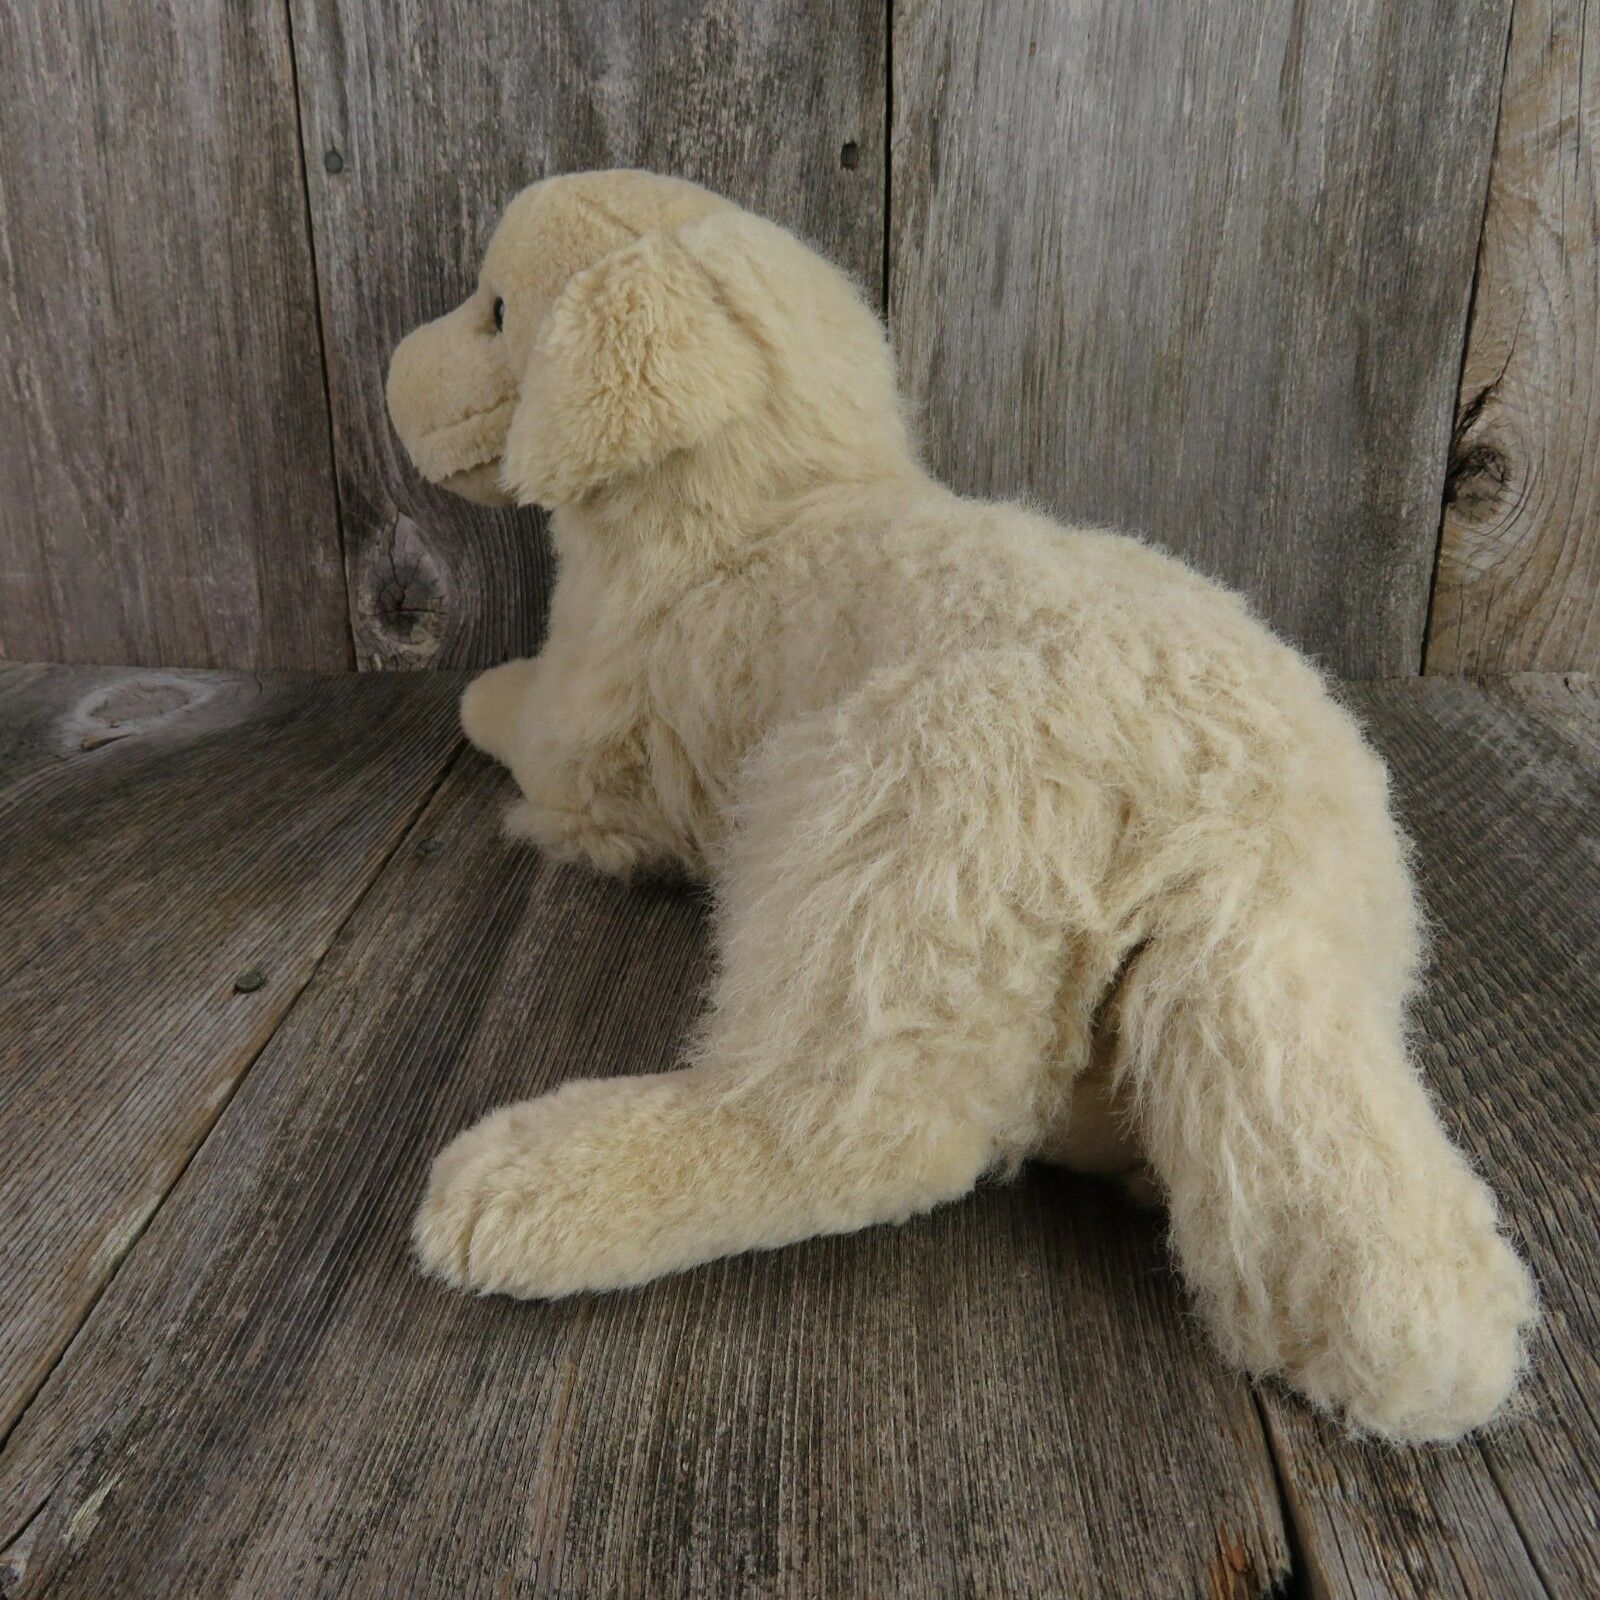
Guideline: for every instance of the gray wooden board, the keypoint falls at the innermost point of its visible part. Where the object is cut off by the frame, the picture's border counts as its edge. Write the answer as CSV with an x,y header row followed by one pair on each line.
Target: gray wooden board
x,y
1519,561
161,832
1201,272
421,121
1006,1397
166,485
1501,788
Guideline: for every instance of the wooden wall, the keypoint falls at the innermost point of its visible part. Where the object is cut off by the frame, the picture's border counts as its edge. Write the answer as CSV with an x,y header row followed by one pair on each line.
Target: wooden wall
x,y
1519,564
1309,294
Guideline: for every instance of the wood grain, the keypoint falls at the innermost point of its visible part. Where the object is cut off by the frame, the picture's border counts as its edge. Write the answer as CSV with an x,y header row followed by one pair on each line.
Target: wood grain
x,y
1519,565
1501,789
1006,1397
162,833
1201,271
166,492
421,122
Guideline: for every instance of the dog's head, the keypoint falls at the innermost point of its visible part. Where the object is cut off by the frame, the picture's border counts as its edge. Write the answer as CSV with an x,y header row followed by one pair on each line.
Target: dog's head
x,y
622,320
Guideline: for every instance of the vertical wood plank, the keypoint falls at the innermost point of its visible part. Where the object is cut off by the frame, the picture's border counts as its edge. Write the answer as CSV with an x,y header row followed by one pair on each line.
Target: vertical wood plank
x,y
422,120
1519,564
166,492
1201,271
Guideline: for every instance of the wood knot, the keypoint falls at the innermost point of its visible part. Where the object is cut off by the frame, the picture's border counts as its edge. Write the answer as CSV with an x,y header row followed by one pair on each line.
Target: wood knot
x,y
403,597
1477,481
138,703
1480,472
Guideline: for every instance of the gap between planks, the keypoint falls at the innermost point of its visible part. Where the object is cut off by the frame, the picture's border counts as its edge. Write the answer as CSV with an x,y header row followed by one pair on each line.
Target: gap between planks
x,y
134,1238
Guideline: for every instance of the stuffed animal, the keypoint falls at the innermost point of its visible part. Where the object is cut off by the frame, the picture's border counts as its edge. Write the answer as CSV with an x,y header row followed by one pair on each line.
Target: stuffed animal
x,y
1026,840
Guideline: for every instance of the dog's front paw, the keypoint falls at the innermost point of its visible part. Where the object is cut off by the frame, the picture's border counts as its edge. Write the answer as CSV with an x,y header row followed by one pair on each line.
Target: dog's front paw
x,y
573,837
492,705
469,1180
498,1217
539,1199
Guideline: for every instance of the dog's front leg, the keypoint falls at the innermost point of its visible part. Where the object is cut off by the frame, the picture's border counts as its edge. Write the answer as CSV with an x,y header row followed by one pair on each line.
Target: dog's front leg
x,y
612,1182
492,707
581,760
578,754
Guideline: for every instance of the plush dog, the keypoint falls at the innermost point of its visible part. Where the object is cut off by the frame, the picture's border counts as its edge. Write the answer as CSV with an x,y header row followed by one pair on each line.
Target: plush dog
x,y
1027,841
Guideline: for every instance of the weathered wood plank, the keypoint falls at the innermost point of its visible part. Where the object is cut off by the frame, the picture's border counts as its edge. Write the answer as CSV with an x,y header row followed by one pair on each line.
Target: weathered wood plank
x,y
1003,1398
161,833
1518,586
779,104
166,490
1501,789
1201,271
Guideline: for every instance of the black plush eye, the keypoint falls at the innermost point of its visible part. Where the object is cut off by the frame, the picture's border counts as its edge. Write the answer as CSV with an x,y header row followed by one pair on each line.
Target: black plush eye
x,y
499,314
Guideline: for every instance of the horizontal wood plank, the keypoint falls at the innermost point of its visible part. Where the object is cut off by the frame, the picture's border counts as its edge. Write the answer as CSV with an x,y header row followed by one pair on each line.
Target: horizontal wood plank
x,y
778,104
1519,562
1201,272
176,851
1501,789
166,482
1004,1397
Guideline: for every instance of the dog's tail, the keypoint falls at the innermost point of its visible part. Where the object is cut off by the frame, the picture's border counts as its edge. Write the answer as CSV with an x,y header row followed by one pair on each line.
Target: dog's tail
x,y
1328,1226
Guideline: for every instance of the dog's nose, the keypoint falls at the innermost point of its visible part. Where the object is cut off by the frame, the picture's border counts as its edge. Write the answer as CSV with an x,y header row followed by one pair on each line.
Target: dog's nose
x,y
450,398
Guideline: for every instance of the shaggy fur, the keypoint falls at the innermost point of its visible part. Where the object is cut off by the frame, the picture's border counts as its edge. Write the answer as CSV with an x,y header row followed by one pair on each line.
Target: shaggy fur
x,y
1026,840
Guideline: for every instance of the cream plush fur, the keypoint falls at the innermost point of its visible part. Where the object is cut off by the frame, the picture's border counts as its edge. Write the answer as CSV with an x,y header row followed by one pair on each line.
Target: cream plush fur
x,y
1026,840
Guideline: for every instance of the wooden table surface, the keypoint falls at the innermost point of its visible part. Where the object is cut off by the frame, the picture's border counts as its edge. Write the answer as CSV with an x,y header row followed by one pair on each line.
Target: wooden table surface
x,y
263,949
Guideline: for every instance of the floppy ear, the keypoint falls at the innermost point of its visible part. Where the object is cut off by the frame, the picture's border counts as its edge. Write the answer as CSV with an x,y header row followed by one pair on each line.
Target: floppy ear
x,y
639,357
